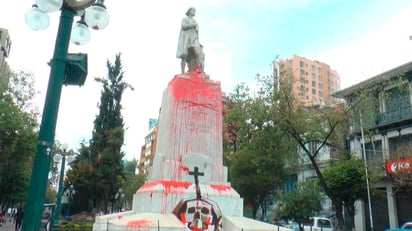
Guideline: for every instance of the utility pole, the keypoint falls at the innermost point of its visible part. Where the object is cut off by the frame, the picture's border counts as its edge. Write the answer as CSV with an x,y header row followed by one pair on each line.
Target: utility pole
x,y
366,172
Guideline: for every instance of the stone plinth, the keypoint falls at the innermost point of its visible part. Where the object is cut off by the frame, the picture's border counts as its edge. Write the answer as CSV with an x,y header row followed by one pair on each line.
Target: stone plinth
x,y
190,131
163,196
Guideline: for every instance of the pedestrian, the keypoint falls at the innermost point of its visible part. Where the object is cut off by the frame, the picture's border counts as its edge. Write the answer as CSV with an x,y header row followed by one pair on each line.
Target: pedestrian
x,y
3,216
18,218
275,221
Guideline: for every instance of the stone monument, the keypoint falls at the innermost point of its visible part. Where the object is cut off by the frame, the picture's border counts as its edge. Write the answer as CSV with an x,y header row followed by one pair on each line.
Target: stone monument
x,y
187,187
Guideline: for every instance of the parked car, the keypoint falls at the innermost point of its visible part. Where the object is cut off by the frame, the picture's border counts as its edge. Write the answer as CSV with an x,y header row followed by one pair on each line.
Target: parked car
x,y
318,224
406,226
291,225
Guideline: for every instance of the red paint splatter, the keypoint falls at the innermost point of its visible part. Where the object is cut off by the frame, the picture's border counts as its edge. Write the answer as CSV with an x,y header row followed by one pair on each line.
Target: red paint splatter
x,y
208,221
221,188
195,89
194,115
185,168
183,217
139,223
167,185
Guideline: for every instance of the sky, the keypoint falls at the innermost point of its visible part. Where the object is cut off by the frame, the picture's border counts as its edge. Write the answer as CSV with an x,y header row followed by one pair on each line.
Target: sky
x,y
241,38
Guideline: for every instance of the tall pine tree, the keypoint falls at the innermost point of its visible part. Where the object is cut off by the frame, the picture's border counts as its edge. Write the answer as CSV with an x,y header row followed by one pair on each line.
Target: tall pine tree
x,y
108,135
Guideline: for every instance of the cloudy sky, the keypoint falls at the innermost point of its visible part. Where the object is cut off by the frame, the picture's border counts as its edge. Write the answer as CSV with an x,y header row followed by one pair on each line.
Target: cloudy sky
x,y
241,38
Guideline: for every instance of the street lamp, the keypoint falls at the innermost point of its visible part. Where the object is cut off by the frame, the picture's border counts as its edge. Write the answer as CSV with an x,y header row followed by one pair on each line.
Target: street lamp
x,y
69,193
57,158
68,69
118,198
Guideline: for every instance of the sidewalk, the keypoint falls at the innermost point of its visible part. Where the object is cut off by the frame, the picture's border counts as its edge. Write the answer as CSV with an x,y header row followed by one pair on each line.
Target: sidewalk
x,y
8,226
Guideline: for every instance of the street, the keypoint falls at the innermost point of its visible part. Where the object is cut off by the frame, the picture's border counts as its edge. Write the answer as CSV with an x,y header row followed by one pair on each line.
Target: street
x,y
8,226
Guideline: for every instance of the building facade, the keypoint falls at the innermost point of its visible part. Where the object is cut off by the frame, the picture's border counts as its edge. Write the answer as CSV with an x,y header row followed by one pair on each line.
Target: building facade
x,y
313,84
384,122
148,150
5,46
314,81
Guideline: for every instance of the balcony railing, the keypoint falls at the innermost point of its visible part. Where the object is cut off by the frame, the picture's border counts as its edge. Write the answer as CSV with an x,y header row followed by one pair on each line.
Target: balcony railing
x,y
396,115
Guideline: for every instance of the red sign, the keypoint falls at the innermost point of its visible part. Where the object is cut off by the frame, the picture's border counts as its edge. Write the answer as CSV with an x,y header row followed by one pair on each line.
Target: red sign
x,y
401,165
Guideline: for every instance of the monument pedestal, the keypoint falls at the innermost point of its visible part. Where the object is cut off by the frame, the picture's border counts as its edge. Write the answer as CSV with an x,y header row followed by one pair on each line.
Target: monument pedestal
x,y
189,138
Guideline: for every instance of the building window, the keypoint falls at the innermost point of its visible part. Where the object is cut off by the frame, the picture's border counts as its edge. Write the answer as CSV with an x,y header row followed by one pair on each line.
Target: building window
x,y
400,146
397,99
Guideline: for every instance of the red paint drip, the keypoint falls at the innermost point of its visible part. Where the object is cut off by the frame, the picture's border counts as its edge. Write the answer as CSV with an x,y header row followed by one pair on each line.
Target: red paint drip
x,y
139,223
221,188
194,111
183,217
208,221
185,168
195,88
167,185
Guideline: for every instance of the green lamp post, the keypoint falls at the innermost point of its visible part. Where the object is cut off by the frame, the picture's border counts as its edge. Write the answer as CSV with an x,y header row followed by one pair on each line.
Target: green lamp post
x,y
57,158
65,69
69,193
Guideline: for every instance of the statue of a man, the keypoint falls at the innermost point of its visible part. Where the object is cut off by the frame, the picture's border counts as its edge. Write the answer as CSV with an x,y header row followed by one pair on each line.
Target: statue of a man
x,y
189,49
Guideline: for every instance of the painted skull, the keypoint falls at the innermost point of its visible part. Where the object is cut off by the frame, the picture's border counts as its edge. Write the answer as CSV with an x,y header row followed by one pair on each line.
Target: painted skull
x,y
197,209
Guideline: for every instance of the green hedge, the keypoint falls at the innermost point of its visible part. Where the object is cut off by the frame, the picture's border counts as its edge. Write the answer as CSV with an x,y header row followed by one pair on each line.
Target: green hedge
x,y
76,226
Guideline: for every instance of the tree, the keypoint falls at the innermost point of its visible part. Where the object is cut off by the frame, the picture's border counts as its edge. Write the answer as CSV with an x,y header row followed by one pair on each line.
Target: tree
x,y
18,137
310,128
233,124
50,195
314,128
102,160
255,145
132,182
346,180
81,175
301,204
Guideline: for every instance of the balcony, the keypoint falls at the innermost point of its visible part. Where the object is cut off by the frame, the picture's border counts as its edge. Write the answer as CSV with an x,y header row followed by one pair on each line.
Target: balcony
x,y
395,116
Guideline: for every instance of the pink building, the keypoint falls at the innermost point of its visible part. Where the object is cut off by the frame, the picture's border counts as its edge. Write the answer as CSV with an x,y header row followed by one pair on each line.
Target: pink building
x,y
314,83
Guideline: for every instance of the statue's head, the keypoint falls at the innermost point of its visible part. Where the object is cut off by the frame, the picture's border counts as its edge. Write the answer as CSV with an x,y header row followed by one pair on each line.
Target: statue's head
x,y
191,11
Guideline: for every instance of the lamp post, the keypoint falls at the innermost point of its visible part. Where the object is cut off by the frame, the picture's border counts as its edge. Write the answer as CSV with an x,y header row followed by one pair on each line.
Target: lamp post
x,y
366,173
69,193
118,198
57,158
65,69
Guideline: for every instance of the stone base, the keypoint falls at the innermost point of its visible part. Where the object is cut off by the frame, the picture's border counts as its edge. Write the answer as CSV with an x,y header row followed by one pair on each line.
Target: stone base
x,y
169,222
172,206
163,197
137,222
